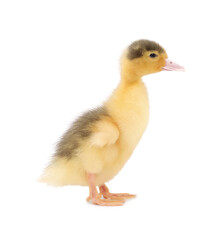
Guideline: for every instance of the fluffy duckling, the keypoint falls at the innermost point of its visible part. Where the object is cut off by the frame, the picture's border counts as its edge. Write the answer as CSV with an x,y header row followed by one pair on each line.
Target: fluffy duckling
x,y
98,143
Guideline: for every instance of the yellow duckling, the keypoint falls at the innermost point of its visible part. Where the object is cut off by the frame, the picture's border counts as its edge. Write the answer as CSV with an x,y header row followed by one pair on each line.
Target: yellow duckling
x,y
98,143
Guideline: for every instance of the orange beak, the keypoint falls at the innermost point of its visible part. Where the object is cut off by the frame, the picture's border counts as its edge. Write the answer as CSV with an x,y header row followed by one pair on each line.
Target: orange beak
x,y
171,66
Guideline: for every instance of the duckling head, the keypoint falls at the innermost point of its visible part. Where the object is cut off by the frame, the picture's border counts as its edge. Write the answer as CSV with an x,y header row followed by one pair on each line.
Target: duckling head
x,y
144,57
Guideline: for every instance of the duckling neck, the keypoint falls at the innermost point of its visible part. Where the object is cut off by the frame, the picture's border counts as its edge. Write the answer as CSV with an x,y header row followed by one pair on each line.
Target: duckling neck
x,y
129,77
130,97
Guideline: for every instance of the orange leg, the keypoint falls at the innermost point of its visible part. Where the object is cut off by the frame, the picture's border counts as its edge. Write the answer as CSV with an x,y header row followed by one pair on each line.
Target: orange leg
x,y
104,190
95,197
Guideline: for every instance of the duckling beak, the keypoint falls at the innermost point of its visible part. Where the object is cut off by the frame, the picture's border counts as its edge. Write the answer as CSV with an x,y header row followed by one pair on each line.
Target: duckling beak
x,y
171,66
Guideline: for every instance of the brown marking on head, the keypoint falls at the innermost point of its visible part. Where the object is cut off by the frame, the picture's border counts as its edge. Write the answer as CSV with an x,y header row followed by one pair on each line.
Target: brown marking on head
x,y
137,48
79,130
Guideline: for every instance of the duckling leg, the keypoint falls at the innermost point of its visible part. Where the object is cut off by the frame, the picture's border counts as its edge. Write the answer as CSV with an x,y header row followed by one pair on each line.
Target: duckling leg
x,y
104,190
96,197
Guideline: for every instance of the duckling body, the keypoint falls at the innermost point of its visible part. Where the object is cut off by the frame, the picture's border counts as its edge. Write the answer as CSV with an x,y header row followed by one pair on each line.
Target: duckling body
x,y
100,142
128,117
129,109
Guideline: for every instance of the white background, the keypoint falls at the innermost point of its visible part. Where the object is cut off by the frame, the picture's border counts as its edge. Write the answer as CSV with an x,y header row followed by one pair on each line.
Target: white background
x,y
60,58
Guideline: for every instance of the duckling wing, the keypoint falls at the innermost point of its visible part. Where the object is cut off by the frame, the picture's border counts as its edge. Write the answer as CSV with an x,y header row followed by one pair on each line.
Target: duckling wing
x,y
104,132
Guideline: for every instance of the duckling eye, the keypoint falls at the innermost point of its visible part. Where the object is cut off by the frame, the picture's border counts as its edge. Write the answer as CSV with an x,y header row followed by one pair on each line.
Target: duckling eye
x,y
153,55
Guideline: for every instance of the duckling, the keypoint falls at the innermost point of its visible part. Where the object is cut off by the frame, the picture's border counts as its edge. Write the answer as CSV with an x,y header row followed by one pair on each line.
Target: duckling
x,y
99,143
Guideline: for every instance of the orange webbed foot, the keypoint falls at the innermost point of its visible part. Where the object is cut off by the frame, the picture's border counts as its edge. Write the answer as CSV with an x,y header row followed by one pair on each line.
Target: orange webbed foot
x,y
96,198
105,202
114,196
